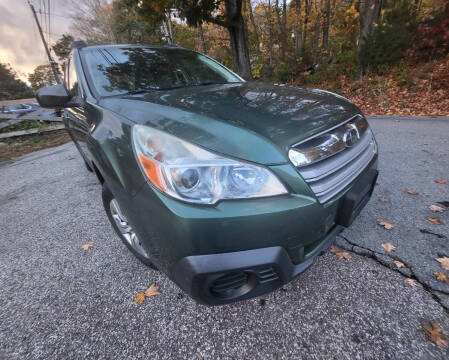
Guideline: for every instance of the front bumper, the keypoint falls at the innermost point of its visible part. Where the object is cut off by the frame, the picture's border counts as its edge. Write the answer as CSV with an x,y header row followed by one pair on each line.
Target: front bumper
x,y
227,277
213,279
260,244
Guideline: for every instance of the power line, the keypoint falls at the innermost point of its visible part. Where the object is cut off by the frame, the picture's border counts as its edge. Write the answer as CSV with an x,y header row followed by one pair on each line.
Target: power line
x,y
58,15
53,63
49,24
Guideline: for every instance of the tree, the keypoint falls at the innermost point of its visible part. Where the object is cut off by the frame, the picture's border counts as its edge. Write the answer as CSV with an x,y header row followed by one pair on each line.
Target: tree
x,y
368,20
225,13
62,49
10,86
41,76
327,17
92,21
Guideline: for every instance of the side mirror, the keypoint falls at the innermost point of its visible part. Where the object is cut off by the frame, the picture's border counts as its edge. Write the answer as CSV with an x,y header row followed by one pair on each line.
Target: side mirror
x,y
56,96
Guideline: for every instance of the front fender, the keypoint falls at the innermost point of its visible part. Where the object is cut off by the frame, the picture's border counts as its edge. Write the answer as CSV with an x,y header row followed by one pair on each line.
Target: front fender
x,y
111,147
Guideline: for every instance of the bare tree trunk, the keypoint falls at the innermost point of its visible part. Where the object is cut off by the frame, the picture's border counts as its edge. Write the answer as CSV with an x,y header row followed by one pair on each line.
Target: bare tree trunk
x,y
368,17
168,28
201,39
284,30
298,27
316,38
270,32
238,35
306,22
354,34
253,23
327,17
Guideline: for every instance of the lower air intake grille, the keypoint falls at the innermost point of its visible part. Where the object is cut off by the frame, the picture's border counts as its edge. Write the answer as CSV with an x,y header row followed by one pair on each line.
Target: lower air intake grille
x,y
229,282
327,178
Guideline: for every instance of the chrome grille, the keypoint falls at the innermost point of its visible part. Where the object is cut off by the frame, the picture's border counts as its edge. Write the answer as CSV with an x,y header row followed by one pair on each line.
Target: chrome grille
x,y
328,177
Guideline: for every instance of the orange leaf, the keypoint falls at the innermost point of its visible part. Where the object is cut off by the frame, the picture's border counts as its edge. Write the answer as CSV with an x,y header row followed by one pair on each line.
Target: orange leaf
x,y
435,221
444,262
139,298
410,282
398,263
341,254
435,334
386,224
87,245
436,208
412,192
383,199
440,181
388,247
152,291
441,277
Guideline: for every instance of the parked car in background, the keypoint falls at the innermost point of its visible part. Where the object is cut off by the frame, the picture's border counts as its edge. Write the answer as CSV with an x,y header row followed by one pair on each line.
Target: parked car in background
x,y
231,188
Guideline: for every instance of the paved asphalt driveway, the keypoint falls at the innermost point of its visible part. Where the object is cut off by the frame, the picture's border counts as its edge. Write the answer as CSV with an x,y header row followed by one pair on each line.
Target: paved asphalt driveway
x,y
59,301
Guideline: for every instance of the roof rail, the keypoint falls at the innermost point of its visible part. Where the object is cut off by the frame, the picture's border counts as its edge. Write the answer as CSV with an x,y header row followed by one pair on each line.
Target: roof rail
x,y
78,44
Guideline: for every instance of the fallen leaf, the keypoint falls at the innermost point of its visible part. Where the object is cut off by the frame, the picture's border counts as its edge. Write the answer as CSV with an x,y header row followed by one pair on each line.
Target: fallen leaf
x,y
383,199
388,247
440,181
341,254
436,208
435,334
436,221
386,224
87,245
444,262
139,298
152,291
398,263
410,282
441,277
412,192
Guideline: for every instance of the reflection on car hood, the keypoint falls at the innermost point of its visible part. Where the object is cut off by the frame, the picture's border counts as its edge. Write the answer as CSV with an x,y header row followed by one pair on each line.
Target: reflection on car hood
x,y
281,115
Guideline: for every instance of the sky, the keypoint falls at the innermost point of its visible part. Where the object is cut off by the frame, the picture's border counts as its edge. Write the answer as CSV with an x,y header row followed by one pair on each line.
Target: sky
x,y
20,43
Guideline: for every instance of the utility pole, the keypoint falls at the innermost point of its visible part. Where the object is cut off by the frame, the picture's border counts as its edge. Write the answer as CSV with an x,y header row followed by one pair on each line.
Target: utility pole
x,y
53,64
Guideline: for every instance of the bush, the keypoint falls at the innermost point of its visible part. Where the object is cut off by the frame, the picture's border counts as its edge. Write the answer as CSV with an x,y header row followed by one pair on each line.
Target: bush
x,y
432,36
390,38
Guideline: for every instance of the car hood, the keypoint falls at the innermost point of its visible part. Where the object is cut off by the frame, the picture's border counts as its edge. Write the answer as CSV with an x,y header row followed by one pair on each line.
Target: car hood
x,y
251,120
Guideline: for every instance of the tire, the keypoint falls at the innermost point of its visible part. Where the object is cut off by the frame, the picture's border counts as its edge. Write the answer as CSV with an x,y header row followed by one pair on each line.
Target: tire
x,y
124,231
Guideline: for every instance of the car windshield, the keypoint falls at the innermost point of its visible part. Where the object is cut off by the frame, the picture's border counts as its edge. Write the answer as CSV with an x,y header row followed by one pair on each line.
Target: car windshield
x,y
124,70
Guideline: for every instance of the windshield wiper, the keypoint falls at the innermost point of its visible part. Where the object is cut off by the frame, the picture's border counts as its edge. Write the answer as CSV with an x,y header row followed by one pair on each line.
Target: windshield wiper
x,y
202,83
141,91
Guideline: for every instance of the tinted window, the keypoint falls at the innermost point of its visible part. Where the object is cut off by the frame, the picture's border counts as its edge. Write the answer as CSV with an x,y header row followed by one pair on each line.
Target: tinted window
x,y
121,70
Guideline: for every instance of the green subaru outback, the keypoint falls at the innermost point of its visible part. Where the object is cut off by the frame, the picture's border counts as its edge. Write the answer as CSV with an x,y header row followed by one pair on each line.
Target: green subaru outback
x,y
231,188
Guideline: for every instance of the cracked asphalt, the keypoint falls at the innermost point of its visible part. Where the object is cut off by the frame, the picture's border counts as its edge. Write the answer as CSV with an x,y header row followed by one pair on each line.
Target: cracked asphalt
x,y
59,301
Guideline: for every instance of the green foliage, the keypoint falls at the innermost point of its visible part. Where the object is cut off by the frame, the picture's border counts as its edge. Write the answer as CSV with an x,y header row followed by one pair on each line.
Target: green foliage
x,y
134,26
41,76
390,38
184,36
10,86
23,125
283,73
62,47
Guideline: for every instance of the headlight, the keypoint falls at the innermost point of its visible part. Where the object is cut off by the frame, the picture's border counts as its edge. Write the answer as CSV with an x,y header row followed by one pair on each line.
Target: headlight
x,y
190,173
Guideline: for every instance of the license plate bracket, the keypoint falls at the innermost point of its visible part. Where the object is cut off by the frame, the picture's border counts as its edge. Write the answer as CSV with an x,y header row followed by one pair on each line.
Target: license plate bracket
x,y
356,198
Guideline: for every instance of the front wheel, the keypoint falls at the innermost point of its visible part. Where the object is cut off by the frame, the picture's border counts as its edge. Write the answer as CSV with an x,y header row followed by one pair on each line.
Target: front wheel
x,y
123,228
